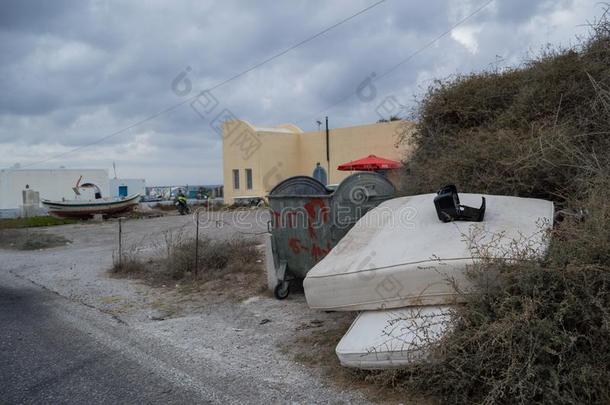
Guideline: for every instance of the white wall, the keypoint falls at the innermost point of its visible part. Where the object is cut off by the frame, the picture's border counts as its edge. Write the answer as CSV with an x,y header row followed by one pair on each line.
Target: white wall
x,y
52,184
133,186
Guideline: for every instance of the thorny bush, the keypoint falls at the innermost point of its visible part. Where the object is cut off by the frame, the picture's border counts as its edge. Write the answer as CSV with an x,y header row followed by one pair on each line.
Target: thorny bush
x,y
540,333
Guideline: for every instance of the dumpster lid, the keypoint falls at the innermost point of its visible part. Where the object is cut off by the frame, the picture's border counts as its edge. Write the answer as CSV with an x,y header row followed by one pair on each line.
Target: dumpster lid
x,y
299,186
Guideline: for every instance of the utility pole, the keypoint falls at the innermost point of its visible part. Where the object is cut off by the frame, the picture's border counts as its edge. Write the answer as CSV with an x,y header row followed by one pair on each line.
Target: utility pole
x,y
327,150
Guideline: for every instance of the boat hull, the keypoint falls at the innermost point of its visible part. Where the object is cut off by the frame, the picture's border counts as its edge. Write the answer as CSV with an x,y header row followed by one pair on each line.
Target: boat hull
x,y
87,209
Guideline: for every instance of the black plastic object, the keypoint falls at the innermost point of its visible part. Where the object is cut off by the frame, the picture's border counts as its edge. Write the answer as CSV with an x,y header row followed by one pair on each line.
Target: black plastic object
x,y
448,206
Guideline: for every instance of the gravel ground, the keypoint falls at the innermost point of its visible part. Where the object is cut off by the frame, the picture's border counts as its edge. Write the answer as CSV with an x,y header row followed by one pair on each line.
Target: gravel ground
x,y
231,350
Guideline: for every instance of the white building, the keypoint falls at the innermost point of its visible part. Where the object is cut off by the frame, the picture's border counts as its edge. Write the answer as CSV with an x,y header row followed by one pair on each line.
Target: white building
x,y
125,187
51,184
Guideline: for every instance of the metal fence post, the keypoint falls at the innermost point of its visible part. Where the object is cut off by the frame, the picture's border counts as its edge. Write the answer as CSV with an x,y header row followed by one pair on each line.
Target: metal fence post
x,y
196,242
120,242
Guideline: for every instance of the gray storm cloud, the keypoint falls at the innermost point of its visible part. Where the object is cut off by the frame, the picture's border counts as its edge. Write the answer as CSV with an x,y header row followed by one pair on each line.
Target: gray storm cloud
x,y
75,71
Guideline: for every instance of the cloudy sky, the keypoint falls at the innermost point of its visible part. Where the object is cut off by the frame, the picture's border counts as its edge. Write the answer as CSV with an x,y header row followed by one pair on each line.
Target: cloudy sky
x,y
72,73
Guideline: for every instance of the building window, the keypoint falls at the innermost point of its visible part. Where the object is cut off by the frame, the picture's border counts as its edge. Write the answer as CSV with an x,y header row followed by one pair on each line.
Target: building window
x,y
236,179
249,179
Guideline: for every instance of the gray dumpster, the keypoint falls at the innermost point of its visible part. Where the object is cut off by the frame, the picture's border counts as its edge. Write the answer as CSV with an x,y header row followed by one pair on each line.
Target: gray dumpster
x,y
354,197
308,219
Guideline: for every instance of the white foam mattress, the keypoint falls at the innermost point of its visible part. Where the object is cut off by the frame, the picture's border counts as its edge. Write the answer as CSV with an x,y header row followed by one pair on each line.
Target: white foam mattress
x,y
392,338
400,254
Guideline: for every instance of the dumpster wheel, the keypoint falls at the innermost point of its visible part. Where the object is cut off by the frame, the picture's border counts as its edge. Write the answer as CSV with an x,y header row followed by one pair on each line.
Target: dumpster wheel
x,y
282,290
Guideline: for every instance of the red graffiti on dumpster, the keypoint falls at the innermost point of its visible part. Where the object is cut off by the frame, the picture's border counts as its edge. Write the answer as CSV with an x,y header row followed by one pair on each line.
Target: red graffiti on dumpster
x,y
312,215
285,219
317,252
296,246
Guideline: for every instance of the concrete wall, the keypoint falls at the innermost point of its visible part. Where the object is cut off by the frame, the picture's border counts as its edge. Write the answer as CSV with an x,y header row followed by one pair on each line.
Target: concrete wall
x,y
348,144
52,184
276,153
270,152
133,186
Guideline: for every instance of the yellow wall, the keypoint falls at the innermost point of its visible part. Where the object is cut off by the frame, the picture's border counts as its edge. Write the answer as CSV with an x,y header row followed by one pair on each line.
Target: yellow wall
x,y
276,153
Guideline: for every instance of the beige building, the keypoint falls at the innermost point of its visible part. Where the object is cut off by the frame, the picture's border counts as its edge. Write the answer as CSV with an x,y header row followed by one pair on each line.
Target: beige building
x,y
255,159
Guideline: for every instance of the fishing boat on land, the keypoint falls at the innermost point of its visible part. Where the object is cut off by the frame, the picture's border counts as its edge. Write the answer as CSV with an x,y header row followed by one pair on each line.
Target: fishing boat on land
x,y
87,208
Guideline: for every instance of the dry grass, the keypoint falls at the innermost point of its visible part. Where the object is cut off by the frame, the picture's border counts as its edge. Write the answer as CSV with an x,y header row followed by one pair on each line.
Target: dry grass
x,y
232,267
165,207
313,345
534,331
540,332
129,266
24,239
538,130
34,222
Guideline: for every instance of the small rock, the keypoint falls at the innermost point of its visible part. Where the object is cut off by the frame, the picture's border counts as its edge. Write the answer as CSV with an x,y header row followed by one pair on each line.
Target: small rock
x,y
264,321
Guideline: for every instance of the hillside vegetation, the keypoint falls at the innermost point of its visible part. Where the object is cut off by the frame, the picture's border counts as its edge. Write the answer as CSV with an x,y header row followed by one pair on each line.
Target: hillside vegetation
x,y
538,332
538,130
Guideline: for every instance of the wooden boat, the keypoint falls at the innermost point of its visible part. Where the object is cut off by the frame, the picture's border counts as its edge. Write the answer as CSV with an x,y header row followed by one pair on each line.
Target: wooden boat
x,y
88,208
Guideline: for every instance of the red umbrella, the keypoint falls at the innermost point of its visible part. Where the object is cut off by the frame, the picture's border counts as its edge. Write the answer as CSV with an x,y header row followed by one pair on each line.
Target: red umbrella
x,y
370,163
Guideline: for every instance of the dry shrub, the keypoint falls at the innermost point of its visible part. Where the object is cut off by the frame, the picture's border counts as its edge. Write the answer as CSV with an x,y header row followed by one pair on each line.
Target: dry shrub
x,y
226,268
534,331
540,332
128,262
175,259
128,266
165,207
583,237
215,257
540,336
537,130
24,239
34,222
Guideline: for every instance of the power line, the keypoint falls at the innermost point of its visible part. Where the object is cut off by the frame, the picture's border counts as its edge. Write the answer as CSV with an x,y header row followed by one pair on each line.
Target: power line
x,y
113,134
303,42
403,61
222,83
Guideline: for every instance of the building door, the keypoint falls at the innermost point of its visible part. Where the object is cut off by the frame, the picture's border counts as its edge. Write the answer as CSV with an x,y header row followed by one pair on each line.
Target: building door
x,y
122,191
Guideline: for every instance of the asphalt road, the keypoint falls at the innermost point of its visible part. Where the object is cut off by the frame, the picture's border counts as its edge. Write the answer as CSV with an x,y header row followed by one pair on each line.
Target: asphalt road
x,y
46,358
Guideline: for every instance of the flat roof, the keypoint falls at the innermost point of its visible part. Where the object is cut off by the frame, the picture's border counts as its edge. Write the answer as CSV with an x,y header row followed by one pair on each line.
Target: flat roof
x,y
273,129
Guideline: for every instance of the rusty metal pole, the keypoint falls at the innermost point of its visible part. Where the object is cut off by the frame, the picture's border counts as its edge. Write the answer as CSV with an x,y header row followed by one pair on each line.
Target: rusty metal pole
x,y
120,241
197,242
